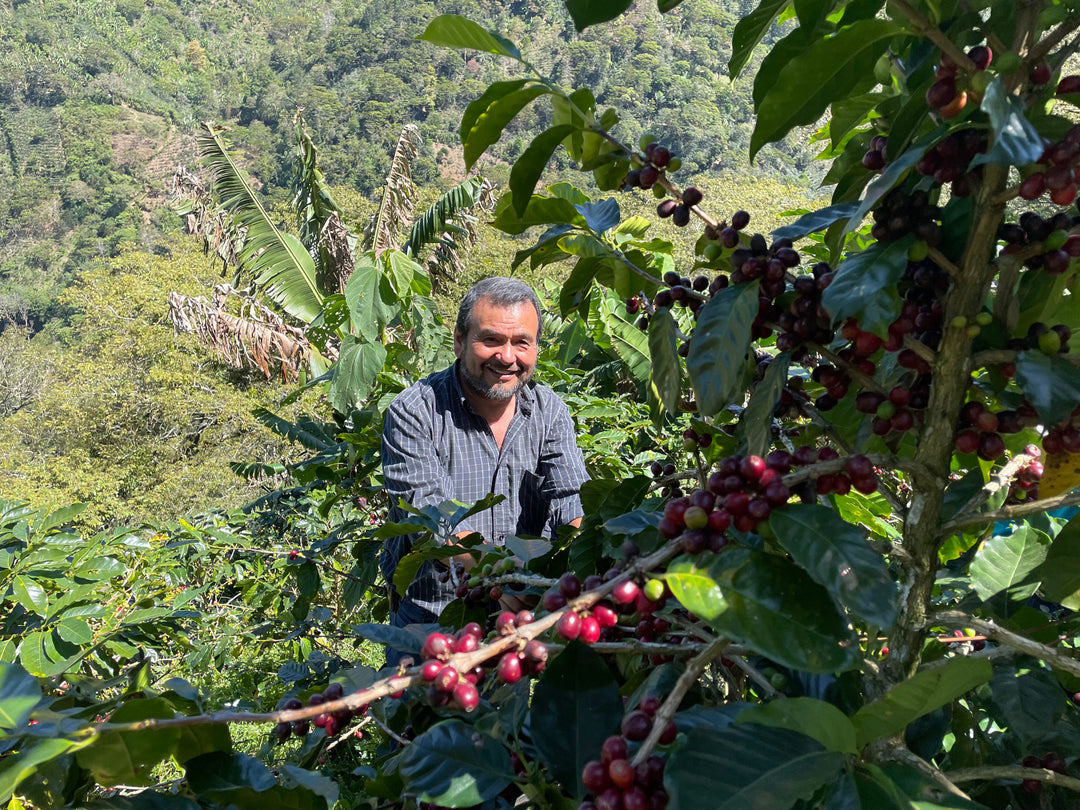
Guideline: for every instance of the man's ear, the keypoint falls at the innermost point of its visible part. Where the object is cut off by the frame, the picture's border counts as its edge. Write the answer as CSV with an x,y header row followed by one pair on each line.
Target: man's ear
x,y
459,343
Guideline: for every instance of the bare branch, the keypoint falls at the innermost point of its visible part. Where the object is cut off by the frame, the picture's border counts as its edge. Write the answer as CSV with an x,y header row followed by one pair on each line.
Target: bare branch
x,y
1007,638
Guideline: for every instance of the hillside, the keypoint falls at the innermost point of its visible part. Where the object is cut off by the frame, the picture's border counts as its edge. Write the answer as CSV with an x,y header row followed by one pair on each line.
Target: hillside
x,y
99,101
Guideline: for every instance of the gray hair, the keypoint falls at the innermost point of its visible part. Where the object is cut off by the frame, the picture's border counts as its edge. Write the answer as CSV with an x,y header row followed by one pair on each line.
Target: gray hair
x,y
502,292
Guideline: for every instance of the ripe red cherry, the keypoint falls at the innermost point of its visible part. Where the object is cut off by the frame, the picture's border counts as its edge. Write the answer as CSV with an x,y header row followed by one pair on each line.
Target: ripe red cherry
x,y
430,670
594,776
466,696
751,467
437,645
614,747
590,630
509,668
553,600
569,626
621,774
625,592
636,725
446,679
605,616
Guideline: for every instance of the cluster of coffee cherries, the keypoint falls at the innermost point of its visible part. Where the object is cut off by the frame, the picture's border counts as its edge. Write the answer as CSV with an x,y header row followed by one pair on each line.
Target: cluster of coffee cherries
x,y
1025,485
616,784
1051,762
948,160
805,320
330,722
600,621
445,684
679,210
658,160
1059,248
1065,437
949,92
902,212
1059,170
980,431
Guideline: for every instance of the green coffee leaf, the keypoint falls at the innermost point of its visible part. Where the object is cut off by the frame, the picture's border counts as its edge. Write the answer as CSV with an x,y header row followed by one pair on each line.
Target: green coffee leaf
x,y
815,718
832,67
453,765
750,30
591,12
719,345
454,31
862,286
1052,384
836,555
528,168
743,766
576,706
1004,561
1060,573
666,373
926,691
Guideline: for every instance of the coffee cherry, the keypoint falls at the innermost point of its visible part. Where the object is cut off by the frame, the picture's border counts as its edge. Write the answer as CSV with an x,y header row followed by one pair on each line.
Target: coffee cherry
x,y
606,617
681,216
430,670
621,774
437,645
692,194
466,696
446,679
590,630
739,220
625,592
594,777
569,626
509,668
570,585
553,600
636,725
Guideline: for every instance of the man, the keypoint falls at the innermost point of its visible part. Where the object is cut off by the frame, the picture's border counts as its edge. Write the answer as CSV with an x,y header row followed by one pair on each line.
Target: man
x,y
480,427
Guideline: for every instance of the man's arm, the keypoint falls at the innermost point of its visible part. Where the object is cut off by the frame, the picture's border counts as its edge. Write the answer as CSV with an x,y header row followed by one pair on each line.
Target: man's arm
x,y
412,469
563,466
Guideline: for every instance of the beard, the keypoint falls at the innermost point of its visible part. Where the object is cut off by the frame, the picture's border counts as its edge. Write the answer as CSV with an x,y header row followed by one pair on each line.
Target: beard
x,y
496,393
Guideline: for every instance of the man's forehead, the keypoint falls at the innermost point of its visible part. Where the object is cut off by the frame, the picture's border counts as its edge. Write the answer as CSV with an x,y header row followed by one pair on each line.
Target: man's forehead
x,y
489,317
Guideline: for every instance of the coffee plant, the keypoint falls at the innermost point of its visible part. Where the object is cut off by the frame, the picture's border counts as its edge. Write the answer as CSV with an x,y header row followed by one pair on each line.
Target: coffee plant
x,y
843,571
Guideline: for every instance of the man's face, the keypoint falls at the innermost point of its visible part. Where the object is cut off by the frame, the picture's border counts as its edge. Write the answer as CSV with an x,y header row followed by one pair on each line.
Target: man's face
x,y
498,354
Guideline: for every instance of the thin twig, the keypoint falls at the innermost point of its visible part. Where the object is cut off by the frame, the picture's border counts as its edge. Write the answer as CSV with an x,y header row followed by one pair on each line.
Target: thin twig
x,y
1007,638
997,482
1014,772
1012,512
1051,40
927,29
389,731
664,715
942,261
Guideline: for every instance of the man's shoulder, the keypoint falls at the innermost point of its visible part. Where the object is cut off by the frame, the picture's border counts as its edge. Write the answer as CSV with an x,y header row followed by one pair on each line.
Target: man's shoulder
x,y
435,388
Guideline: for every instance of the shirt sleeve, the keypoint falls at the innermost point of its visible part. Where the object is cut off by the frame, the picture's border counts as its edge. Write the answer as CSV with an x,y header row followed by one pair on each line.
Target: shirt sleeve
x,y
563,466
412,469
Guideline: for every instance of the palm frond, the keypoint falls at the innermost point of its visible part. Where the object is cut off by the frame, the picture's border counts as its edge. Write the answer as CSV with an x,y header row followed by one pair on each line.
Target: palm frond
x,y
279,263
312,201
306,432
399,197
449,227
204,219
256,338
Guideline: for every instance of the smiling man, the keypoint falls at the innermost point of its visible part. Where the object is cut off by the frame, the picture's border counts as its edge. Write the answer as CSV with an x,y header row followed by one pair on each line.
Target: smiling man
x,y
480,427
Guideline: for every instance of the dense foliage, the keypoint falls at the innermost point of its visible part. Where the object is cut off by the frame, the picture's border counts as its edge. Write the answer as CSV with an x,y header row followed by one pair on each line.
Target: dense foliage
x,y
830,560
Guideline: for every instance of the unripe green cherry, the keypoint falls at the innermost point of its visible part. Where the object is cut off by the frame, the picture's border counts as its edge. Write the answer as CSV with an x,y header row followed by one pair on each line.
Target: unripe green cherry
x,y
883,70
659,191
974,330
1008,62
696,518
645,140
712,252
1055,240
981,80
959,322
654,590
674,164
918,251
1050,342
886,410
984,319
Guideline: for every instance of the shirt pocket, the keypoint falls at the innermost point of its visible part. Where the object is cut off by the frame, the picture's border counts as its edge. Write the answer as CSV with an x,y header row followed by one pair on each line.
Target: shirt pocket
x,y
535,500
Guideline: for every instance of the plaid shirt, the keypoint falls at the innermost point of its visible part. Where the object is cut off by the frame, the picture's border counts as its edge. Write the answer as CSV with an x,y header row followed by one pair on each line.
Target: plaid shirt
x,y
435,447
